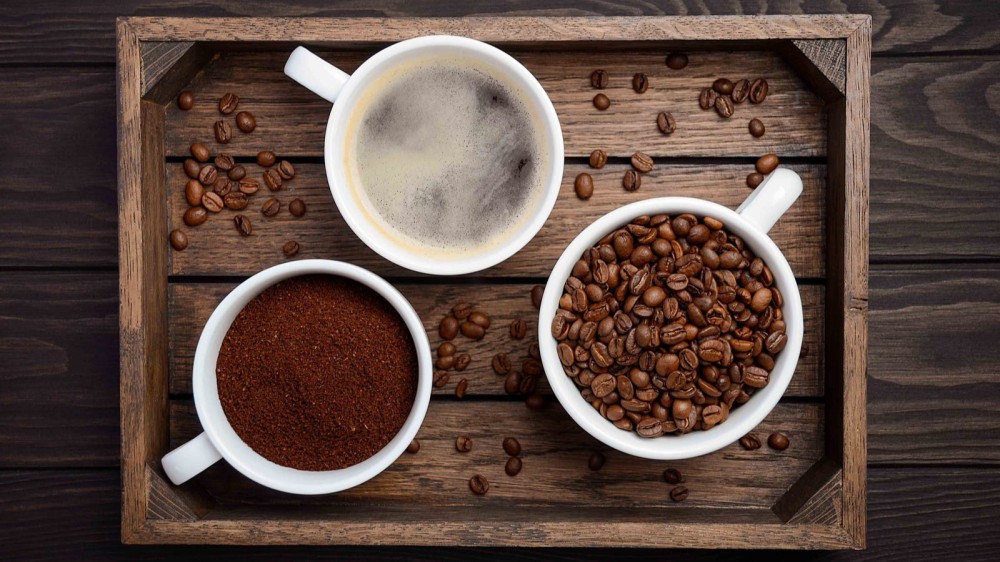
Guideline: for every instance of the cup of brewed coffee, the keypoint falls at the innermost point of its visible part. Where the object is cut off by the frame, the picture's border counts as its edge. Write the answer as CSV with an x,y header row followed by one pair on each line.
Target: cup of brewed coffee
x,y
443,154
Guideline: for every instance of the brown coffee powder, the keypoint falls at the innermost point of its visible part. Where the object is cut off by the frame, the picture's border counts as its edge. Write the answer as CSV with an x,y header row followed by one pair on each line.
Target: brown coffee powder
x,y
317,373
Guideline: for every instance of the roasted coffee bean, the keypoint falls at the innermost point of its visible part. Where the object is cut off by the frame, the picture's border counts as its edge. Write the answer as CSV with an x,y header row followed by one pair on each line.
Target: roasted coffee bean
x,y
223,132
598,159
463,444
755,179
741,89
776,342
472,330
270,207
679,494
528,384
536,295
480,319
461,388
673,476
512,382
249,186
448,329
286,170
246,122
236,200
778,441
596,461
212,202
642,162
758,90
266,159
290,248
706,100
724,107
297,207
532,367
723,86
224,161
479,485
534,352
584,186
649,427
178,239
462,361
640,83
767,163
208,175
631,181
599,79
445,362
756,128
602,102
462,310
200,152
237,173
272,179
446,349
195,216
511,446
222,186
513,466
440,379
191,168
501,364
193,190
535,402
677,61
666,123
243,225
228,103
750,442
518,329
414,447
185,100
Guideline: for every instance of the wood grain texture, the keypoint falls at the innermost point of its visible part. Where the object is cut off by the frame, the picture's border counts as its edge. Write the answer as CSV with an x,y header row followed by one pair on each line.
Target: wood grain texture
x,y
322,233
292,120
829,56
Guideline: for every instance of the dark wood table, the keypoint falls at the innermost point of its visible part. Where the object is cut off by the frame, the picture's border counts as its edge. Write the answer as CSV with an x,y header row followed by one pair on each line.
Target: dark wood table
x,y
934,387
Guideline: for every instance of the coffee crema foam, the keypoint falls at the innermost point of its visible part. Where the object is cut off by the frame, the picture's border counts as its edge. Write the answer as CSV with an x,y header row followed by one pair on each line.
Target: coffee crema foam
x,y
446,158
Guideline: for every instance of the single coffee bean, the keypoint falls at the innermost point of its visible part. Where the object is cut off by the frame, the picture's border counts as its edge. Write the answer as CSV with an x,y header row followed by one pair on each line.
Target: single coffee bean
x,y
535,401
222,186
602,102
270,207
706,100
463,444
246,122
195,216
479,485
598,159
640,83
513,466
631,181
512,382
767,163
501,364
723,86
724,106
649,427
445,362
460,388
511,446
185,100
414,447
243,225
462,310
212,202
193,190
249,186
741,90
596,461
446,349
750,442
642,162
266,159
584,186
223,132
224,161
756,128
532,367
778,441
290,248
191,168
200,152
679,494
237,173
599,79
677,61
480,319
228,103
297,207
178,239
666,123
536,295
518,329
758,90
754,179
462,361
286,170
236,200
672,476
448,329
440,379
272,179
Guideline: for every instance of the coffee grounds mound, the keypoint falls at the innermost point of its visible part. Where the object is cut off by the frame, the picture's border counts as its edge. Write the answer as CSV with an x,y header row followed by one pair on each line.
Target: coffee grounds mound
x,y
317,373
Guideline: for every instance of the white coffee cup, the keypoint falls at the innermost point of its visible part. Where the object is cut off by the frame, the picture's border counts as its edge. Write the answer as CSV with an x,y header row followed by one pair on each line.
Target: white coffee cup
x,y
219,440
751,221
344,91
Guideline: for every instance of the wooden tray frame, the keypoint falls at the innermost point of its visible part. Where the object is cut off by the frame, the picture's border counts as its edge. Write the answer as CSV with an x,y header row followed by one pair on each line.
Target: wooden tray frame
x,y
156,55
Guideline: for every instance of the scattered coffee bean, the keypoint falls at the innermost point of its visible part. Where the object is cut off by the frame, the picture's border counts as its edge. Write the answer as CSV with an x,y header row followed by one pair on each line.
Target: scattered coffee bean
x,y
290,248
414,447
462,361
243,225
445,362
778,441
193,190
237,173
195,216
223,132
266,159
518,329
286,170
246,122
272,179
723,86
462,310
480,319
767,163
642,162
249,186
297,207
758,90
536,295
448,329
754,179
236,200
584,186
479,485
501,364
513,466
528,385
679,494
224,161
512,382
222,186
598,159
673,476
200,152
640,83
631,181
532,367
461,387
446,349
750,442
596,461
756,128
191,168
440,379
666,123
212,202
270,207
178,239
724,107
228,103
677,61
599,79
741,90
602,102
463,444
185,100
706,100
511,446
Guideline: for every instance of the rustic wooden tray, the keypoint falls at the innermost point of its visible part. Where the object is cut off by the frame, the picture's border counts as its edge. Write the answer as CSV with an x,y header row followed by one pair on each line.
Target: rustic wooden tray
x,y
810,496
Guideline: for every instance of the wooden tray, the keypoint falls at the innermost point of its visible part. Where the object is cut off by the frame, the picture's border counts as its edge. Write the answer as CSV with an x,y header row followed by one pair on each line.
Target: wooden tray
x,y
810,496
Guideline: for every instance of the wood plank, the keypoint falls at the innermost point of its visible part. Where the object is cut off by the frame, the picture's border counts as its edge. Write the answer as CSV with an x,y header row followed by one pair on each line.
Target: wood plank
x,y
935,395
323,234
192,303
58,348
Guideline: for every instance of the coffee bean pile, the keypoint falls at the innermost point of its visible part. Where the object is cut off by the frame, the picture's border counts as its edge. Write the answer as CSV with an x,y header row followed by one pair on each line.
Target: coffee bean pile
x,y
221,183
765,165
668,323
463,319
724,94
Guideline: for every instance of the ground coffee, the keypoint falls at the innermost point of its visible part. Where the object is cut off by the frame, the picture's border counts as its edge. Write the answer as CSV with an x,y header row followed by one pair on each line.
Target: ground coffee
x,y
317,373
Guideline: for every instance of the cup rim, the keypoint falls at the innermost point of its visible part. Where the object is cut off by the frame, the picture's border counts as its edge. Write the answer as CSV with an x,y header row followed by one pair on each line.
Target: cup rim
x,y
743,419
240,455
336,177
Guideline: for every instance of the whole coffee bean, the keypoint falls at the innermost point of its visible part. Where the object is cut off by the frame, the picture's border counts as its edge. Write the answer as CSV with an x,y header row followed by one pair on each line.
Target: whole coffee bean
x,y
596,461
677,61
511,446
228,103
237,173
414,447
673,476
723,86
246,122
266,159
272,179
440,379
706,100
513,466
776,342
679,494
462,361
249,186
631,181
446,349
532,367
649,427
778,441
286,170
222,186
767,163
191,168
479,485
518,329
602,102
536,295
463,444
460,388
270,207
750,442
297,207
598,159
236,200
290,248
666,123
195,216
758,90
535,401
185,100
178,239
642,162
462,310
243,225
756,127
724,107
200,152
480,319
599,79
640,83
754,179
223,132
212,202
512,382
584,186
501,364
448,329
741,89
193,190
224,161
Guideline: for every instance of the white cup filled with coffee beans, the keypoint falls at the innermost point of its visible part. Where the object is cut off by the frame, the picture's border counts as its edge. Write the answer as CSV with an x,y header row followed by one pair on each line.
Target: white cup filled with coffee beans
x,y
671,327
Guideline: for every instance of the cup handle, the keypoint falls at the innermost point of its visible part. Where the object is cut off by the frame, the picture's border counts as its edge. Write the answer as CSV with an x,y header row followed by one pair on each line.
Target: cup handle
x,y
190,459
771,199
324,79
